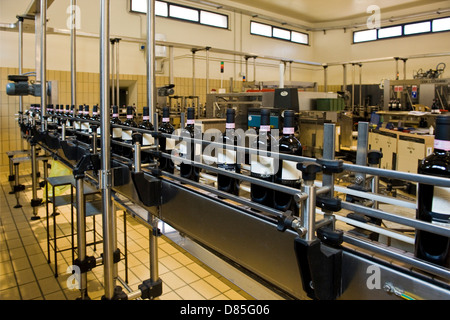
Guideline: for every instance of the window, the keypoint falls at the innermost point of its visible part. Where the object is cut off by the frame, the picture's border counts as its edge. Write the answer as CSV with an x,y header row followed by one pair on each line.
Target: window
x,y
181,12
366,35
266,30
389,32
403,30
415,28
441,24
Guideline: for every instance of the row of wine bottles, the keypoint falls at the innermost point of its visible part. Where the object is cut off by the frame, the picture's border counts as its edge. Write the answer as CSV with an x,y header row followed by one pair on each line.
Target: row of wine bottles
x,y
433,201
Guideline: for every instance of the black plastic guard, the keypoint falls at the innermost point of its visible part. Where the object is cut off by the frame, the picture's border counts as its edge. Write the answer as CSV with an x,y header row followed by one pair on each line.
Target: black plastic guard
x,y
147,188
320,269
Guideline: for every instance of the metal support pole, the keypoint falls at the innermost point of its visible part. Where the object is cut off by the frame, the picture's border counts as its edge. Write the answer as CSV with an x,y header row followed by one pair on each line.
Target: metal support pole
x,y
153,250
35,199
81,232
254,69
116,61
73,55
329,143
404,68
309,211
20,20
353,88
325,78
246,68
207,70
151,87
193,71
344,85
360,86
282,71
361,151
290,71
105,174
113,73
397,72
171,63
43,43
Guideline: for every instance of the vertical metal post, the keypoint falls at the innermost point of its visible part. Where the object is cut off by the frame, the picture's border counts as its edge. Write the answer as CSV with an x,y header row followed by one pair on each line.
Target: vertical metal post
x,y
254,69
171,62
35,199
361,151
43,43
329,145
207,70
353,87
116,61
246,68
153,243
20,21
360,86
81,232
73,55
325,78
113,73
344,85
105,174
151,87
193,71
290,71
309,210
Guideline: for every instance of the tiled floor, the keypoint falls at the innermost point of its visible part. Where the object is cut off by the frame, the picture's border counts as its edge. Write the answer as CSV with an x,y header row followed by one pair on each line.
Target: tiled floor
x,y
25,273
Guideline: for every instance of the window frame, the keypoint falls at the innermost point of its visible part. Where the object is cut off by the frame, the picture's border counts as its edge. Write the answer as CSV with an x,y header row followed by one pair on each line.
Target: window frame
x,y
403,35
277,38
198,22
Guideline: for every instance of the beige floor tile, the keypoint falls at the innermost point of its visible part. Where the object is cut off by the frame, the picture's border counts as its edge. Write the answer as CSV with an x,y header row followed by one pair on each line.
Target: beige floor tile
x,y
10,294
188,293
30,291
186,275
170,263
21,263
7,280
56,296
25,276
205,289
233,295
198,270
49,285
43,271
169,296
217,283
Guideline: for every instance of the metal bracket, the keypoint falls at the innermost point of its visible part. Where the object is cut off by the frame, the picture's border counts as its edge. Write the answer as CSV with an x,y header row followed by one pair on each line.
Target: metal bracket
x,y
151,289
105,179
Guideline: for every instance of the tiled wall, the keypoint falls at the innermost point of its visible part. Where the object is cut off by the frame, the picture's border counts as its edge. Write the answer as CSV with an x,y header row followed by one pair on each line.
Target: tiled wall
x,y
88,88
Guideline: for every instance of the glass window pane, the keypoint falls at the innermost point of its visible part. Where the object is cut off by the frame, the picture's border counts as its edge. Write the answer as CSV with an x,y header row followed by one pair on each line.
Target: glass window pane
x,y
214,19
139,6
299,37
161,9
281,34
184,13
366,35
261,29
390,32
420,27
441,24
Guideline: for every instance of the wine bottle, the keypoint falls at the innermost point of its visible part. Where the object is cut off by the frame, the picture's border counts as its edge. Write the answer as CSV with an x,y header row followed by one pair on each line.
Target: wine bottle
x,y
189,171
96,117
227,158
287,173
433,201
85,126
127,134
147,138
116,133
262,166
78,116
166,144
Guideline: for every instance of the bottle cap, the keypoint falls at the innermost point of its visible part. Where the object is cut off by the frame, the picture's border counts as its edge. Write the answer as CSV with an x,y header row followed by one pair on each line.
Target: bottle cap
x,y
146,112
265,117
289,119
190,113
442,128
231,115
166,112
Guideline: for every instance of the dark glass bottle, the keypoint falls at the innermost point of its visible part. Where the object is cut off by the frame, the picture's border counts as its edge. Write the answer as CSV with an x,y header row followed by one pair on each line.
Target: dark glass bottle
x,y
85,126
189,171
71,121
287,173
116,133
263,167
434,202
227,158
147,138
95,117
127,134
166,145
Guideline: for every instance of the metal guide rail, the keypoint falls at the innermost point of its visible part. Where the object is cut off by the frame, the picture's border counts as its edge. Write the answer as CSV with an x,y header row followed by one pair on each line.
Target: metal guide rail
x,y
299,253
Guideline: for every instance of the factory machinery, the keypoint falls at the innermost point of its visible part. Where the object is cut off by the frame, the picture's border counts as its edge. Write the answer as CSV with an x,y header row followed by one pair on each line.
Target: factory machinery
x,y
307,251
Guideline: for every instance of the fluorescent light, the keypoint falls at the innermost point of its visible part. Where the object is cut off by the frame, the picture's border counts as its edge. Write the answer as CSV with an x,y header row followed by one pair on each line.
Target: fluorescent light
x,y
161,9
213,19
415,28
184,13
261,29
390,32
299,37
366,35
281,34
441,24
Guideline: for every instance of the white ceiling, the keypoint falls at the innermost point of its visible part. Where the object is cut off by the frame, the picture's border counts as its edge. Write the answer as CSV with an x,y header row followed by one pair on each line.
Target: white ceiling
x,y
321,13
